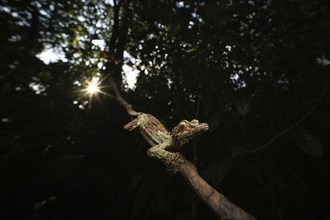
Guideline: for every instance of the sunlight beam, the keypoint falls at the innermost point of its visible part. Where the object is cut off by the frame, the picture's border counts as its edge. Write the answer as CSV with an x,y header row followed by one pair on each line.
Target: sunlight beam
x,y
93,86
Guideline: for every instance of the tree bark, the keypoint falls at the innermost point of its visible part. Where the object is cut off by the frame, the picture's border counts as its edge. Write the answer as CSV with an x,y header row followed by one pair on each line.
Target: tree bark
x,y
117,42
219,204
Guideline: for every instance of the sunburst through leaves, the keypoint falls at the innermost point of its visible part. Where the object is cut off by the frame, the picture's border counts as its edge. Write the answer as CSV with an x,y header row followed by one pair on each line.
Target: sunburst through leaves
x,y
93,86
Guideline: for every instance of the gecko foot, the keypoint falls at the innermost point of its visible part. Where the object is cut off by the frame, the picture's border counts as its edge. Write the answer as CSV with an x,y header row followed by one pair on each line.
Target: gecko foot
x,y
173,161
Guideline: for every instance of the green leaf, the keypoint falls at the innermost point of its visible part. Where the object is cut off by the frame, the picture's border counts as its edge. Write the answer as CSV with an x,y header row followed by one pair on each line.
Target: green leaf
x,y
307,142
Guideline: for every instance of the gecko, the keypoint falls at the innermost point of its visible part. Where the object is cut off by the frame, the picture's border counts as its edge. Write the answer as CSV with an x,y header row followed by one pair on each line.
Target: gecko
x,y
165,144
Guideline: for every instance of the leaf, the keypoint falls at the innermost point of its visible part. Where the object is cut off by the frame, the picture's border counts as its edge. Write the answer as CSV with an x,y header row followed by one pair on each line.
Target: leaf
x,y
215,120
217,171
307,142
211,10
74,42
136,180
237,150
221,170
242,105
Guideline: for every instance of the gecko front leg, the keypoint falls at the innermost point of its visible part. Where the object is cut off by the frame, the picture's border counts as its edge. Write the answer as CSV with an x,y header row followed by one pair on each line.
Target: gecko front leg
x,y
158,137
142,119
132,124
172,160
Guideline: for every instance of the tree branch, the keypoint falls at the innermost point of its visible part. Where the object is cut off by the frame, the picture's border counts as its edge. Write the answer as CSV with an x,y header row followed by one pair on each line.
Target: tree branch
x,y
120,99
218,203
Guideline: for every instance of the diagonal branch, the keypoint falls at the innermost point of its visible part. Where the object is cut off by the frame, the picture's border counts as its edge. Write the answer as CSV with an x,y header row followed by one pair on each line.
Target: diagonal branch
x,y
120,99
218,203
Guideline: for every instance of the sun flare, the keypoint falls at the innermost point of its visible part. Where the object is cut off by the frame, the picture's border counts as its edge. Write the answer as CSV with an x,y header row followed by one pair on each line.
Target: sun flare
x,y
93,86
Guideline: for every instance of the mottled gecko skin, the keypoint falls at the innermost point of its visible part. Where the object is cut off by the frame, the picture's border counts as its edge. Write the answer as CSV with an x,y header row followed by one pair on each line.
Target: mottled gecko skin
x,y
161,140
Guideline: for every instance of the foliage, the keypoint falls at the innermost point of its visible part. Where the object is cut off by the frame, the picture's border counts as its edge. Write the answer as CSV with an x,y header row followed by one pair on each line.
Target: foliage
x,y
256,71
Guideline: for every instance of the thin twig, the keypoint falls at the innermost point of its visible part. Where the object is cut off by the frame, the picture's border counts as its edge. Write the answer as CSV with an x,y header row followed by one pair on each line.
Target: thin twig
x,y
120,99
294,124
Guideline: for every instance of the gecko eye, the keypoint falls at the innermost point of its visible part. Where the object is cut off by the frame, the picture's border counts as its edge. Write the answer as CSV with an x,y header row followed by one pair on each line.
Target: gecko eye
x,y
194,122
182,125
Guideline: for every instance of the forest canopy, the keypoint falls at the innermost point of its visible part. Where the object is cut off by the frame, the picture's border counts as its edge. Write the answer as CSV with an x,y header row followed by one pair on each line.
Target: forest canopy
x,y
256,71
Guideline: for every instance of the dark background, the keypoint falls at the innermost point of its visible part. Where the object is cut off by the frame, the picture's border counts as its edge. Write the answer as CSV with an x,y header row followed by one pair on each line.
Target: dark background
x,y
256,71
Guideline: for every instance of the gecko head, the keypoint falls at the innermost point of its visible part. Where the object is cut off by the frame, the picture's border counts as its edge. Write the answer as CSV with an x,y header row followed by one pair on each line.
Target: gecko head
x,y
186,131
